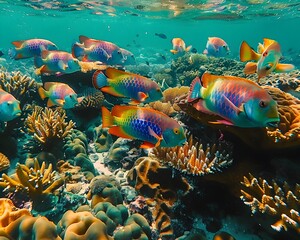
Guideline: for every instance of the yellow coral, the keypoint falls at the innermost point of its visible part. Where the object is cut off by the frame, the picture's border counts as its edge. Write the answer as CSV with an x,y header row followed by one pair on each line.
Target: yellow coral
x,y
4,162
193,158
48,124
279,202
37,182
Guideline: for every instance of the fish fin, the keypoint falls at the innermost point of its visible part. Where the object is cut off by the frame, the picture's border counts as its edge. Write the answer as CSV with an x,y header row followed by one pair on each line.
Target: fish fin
x,y
62,65
79,100
44,54
107,118
83,38
118,131
194,92
281,68
173,51
250,68
142,96
45,69
19,56
232,106
85,58
17,44
87,41
188,48
247,53
111,91
77,50
99,80
118,110
134,102
205,51
268,42
225,122
153,134
48,85
60,102
50,103
38,62
43,93
206,78
200,106
146,145
260,48
113,73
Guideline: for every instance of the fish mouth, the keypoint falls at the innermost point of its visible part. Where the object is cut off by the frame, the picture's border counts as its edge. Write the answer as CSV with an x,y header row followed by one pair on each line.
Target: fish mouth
x,y
273,124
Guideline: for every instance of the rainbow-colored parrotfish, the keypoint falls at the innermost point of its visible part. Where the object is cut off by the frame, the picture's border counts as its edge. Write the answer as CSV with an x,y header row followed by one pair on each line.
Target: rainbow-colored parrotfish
x,y
266,59
30,48
53,62
239,101
124,84
97,50
9,107
150,126
59,94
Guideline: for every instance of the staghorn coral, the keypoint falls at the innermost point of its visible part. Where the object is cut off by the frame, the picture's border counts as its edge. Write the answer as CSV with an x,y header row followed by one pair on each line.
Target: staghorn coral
x,y
193,158
279,202
4,162
20,86
48,124
38,183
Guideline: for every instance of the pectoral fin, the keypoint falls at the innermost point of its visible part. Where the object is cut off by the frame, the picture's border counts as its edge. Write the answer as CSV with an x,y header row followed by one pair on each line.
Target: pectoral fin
x,y
153,134
238,110
60,102
281,68
225,122
147,145
142,96
250,68
62,65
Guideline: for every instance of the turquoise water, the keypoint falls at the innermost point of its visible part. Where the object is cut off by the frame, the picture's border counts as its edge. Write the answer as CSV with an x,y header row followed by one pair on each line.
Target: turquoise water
x,y
213,203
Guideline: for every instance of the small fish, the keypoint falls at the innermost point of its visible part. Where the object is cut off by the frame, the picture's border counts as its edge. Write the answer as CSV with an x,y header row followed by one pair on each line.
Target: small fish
x,y
193,50
124,84
216,47
163,57
266,58
179,46
223,236
161,35
128,57
147,62
113,51
1,53
30,48
52,62
241,102
150,126
9,107
59,94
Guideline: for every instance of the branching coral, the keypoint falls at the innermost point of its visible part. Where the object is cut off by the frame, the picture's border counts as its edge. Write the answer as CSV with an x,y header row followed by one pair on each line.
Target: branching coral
x,y
48,125
195,159
91,101
20,86
4,162
38,183
279,202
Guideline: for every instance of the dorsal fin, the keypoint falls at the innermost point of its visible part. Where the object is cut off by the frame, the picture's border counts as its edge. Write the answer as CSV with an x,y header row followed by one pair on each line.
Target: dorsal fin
x,y
114,73
18,44
48,85
268,42
45,54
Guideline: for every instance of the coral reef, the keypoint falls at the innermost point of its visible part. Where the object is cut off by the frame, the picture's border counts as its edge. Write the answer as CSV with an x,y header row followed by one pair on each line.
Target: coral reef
x,y
278,202
101,138
193,158
48,127
4,163
20,86
38,183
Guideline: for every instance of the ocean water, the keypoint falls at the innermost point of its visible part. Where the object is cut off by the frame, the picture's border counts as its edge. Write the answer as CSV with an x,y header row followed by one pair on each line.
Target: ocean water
x,y
146,28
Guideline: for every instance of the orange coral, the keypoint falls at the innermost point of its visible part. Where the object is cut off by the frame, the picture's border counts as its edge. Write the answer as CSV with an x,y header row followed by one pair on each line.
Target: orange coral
x,y
4,162
193,158
279,202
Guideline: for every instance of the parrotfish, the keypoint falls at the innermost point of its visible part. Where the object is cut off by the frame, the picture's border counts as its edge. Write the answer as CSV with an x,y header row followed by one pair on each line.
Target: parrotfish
x,y
216,47
52,62
9,107
179,46
124,84
266,58
128,57
150,126
97,50
239,101
30,48
59,94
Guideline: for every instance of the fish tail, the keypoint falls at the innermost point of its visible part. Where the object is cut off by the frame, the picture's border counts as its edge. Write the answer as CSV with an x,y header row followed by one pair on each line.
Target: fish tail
x,y
107,118
99,80
247,53
12,53
188,48
77,50
38,62
43,93
195,89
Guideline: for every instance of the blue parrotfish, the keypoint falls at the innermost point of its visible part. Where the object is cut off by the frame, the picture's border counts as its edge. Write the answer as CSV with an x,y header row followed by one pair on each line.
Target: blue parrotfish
x,y
239,101
9,107
216,47
150,126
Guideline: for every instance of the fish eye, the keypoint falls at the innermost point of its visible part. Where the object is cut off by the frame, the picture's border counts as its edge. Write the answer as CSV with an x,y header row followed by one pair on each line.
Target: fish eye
x,y
157,90
262,104
176,130
224,46
265,54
